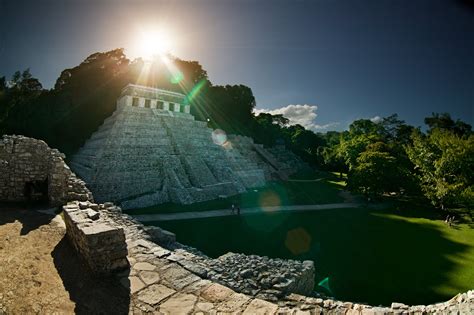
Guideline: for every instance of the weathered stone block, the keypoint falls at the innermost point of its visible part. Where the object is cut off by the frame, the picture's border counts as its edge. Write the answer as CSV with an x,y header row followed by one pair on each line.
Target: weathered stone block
x,y
155,293
216,293
258,306
93,215
101,245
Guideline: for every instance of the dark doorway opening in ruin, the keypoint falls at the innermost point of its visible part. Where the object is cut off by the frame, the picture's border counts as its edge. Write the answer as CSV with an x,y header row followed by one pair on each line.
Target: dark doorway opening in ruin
x,y
36,191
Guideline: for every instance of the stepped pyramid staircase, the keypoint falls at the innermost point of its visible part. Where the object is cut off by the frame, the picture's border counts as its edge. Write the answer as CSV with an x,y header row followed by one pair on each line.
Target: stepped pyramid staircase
x,y
290,161
245,148
144,156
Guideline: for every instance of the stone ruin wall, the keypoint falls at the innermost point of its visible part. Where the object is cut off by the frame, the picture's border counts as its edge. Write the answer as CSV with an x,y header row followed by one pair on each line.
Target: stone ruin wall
x,y
164,275
99,233
29,169
101,245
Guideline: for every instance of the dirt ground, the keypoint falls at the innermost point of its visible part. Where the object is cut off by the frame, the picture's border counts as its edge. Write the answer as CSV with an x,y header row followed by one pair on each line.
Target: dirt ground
x,y
40,273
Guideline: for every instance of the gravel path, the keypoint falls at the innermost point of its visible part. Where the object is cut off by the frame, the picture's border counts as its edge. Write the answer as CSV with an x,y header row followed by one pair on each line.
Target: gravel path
x,y
244,211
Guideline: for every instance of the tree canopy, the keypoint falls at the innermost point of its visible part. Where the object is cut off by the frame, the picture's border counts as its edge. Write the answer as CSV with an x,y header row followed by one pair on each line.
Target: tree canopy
x,y
444,164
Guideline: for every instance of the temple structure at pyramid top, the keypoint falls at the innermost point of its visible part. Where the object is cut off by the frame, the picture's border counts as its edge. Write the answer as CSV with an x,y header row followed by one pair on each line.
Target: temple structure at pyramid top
x,y
152,150
147,97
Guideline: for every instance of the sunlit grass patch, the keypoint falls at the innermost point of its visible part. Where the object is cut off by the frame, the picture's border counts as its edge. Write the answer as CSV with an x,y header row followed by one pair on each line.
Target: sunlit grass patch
x,y
339,175
340,183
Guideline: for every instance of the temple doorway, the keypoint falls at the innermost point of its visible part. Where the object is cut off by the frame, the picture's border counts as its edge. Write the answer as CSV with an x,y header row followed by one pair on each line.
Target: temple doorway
x,y
36,191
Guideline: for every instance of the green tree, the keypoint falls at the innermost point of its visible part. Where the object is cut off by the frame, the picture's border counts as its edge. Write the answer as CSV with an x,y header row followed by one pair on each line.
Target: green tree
x,y
268,129
376,171
444,162
327,156
445,122
17,102
3,84
230,108
16,79
305,143
362,127
396,129
352,143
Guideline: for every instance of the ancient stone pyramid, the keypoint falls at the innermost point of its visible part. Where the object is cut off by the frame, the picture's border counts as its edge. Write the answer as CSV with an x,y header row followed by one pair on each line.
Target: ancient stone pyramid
x,y
152,151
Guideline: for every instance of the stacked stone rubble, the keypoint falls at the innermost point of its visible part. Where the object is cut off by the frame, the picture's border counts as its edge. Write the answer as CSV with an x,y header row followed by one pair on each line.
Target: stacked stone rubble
x,y
100,244
262,277
26,164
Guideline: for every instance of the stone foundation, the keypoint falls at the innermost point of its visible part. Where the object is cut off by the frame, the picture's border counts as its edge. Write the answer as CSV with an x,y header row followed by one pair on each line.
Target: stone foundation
x,y
31,171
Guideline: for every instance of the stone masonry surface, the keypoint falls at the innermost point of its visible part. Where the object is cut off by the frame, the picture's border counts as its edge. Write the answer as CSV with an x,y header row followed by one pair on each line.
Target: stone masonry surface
x,y
171,278
29,169
100,244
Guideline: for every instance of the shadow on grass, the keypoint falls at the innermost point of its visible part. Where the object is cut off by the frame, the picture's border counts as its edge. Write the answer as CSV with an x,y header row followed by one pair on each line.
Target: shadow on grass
x,y
421,208
369,255
387,259
90,293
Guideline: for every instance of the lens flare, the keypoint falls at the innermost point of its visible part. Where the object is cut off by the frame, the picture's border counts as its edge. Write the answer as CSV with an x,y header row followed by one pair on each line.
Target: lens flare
x,y
195,90
153,43
325,284
298,241
268,200
219,137
176,77
272,196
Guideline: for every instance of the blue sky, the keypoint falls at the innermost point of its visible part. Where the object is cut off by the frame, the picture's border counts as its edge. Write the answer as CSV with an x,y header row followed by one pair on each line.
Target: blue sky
x,y
333,60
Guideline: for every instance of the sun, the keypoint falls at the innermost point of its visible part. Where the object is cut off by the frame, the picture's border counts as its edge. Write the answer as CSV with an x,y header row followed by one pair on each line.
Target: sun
x,y
154,44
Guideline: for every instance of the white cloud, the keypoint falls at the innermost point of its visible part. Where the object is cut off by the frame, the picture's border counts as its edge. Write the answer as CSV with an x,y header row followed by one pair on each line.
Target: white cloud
x,y
325,127
303,115
376,119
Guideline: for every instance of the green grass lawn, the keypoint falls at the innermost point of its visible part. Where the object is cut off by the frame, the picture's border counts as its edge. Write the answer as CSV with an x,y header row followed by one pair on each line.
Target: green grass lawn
x,y
372,256
273,194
